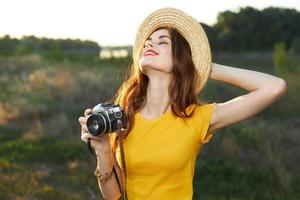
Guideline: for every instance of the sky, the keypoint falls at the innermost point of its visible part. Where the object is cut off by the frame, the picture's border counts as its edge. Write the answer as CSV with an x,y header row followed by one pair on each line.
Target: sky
x,y
107,22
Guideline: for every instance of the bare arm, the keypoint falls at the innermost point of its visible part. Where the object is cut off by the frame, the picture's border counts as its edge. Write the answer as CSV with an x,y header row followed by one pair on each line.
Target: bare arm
x,y
105,160
105,163
264,89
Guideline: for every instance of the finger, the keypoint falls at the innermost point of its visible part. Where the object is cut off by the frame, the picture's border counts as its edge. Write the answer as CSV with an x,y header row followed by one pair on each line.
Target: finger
x,y
87,136
84,138
84,128
82,120
87,112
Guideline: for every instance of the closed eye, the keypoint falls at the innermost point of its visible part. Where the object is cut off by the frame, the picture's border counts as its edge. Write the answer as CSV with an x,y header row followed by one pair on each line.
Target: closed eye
x,y
163,43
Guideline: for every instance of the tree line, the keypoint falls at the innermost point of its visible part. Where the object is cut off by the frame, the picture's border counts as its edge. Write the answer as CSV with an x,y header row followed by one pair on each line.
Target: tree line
x,y
248,29
53,49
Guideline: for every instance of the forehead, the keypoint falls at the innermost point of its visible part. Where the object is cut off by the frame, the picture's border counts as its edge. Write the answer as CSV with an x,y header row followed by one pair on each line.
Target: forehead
x,y
160,32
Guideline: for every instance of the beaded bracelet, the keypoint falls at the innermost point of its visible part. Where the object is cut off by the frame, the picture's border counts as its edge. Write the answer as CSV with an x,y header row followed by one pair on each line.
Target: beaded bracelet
x,y
103,177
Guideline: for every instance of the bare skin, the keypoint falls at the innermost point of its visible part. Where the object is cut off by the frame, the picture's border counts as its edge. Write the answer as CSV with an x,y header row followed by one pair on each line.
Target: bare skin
x,y
264,89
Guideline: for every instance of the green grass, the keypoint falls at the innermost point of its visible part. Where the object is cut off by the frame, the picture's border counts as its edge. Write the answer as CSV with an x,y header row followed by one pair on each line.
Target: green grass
x,y
44,149
223,179
42,156
47,168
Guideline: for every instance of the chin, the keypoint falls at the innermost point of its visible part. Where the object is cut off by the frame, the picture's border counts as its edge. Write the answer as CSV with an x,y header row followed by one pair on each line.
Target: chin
x,y
146,62
146,70
146,66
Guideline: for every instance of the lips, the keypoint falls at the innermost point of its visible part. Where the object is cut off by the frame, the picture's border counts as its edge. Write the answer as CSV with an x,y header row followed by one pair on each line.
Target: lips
x,y
150,52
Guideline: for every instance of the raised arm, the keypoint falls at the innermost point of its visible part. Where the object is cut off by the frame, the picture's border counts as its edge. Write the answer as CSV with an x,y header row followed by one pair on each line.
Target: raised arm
x,y
264,89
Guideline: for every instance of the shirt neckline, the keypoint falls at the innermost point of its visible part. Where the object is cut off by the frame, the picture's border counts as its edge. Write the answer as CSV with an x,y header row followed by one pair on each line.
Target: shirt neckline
x,y
142,118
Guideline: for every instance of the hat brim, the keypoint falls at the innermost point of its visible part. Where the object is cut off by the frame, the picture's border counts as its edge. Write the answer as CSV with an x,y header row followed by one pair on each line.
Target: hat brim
x,y
189,28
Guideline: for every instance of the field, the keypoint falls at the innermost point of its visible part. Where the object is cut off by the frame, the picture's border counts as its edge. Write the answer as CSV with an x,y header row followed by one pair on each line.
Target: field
x,y
42,156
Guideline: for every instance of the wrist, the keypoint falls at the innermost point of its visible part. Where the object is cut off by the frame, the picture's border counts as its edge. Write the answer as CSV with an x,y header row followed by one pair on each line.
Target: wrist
x,y
103,155
105,162
103,149
103,177
104,168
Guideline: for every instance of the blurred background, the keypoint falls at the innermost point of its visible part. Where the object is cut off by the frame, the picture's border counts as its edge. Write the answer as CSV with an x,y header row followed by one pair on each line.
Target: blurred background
x,y
58,58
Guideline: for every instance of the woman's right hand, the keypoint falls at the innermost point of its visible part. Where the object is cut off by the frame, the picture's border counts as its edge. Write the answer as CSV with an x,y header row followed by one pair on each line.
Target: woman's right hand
x,y
99,143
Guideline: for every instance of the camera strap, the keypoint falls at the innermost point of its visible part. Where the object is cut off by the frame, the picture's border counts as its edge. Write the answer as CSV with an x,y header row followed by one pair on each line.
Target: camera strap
x,y
124,171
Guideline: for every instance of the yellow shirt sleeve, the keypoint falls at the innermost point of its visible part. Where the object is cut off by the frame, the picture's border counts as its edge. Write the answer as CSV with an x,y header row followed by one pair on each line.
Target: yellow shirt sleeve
x,y
203,117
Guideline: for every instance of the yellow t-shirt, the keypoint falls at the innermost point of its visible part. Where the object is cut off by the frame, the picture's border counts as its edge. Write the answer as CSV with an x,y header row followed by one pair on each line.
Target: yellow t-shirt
x,y
160,154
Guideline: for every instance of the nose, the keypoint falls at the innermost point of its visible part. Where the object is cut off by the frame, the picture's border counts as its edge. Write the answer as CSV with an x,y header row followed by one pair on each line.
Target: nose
x,y
148,44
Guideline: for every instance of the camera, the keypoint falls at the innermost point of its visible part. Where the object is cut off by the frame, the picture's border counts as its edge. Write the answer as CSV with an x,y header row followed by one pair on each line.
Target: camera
x,y
104,119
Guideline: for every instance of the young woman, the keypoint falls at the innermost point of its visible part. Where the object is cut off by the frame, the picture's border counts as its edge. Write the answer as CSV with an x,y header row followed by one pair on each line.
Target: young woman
x,y
167,125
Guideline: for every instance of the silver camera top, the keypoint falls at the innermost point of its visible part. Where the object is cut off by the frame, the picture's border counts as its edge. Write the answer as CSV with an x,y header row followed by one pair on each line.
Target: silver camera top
x,y
100,108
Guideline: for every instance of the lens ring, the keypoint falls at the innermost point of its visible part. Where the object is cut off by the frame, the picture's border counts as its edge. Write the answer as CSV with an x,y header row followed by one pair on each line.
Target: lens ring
x,y
96,123
104,130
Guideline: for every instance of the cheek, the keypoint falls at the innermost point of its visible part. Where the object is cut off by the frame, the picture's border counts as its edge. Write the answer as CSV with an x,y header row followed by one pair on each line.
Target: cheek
x,y
169,64
169,61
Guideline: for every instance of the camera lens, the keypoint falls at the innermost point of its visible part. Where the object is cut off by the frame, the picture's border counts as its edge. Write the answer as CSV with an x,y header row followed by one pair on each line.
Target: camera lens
x,y
96,124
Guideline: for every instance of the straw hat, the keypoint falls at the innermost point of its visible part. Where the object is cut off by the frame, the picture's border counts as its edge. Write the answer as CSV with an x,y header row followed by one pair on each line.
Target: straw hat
x,y
189,28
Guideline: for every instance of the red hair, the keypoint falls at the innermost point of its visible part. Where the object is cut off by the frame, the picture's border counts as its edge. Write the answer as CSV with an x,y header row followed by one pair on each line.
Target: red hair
x,y
132,93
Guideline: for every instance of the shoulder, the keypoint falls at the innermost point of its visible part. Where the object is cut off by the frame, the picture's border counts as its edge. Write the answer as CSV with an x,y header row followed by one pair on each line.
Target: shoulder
x,y
205,109
200,113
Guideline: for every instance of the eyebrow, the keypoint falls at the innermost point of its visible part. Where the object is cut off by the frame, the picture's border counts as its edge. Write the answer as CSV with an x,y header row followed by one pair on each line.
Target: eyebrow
x,y
160,37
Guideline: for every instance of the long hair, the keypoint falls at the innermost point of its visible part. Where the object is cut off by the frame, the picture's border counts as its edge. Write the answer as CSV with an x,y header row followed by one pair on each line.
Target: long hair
x,y
132,93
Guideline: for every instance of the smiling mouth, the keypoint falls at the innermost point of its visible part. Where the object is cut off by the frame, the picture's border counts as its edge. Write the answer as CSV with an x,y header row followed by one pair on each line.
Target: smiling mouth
x,y
150,52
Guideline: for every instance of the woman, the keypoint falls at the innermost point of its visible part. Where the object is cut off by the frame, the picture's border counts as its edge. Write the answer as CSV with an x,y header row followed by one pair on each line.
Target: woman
x,y
167,125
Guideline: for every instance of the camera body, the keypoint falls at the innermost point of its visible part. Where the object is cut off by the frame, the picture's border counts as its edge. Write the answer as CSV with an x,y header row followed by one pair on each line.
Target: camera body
x,y
104,119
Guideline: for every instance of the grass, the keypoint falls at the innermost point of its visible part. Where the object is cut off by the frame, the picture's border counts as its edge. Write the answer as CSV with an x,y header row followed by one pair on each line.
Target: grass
x,y
249,160
42,156
46,168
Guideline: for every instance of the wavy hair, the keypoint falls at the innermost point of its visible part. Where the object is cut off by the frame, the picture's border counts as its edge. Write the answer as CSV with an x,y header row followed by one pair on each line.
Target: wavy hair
x,y
132,93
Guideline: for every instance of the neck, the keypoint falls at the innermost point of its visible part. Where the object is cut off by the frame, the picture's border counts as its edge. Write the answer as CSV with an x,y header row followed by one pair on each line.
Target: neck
x,y
158,98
